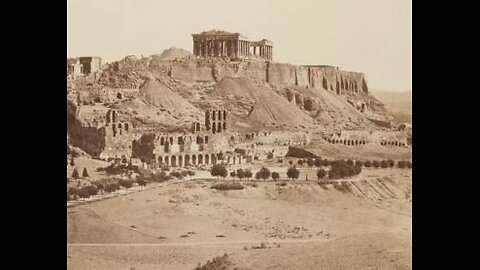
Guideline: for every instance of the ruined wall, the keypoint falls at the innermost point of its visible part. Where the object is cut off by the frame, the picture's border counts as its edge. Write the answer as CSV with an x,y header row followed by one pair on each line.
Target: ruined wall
x,y
192,71
360,137
281,74
302,76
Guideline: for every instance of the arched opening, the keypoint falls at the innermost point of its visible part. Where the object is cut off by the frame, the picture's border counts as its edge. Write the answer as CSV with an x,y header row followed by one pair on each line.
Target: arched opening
x,y
207,125
162,141
119,95
126,127
344,142
200,159
199,140
213,115
224,126
207,159
120,128
167,147
160,160
114,129
194,160
234,160
224,115
197,127
171,140
180,161
167,161
207,114
187,160
206,139
214,128
174,161
219,115
219,127
114,116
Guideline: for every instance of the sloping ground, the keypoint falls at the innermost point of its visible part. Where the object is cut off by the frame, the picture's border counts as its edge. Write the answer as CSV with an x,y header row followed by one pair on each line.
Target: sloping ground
x,y
173,54
304,225
259,104
399,104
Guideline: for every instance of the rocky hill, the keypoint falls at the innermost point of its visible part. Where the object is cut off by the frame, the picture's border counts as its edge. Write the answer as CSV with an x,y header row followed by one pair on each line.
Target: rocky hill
x,y
174,89
399,104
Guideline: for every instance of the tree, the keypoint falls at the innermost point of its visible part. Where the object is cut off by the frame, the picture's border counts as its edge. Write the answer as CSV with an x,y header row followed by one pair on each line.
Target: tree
x,y
219,170
321,173
401,164
85,172
248,174
310,162
75,174
391,163
358,163
350,162
290,162
141,182
318,162
376,163
232,174
240,174
125,183
300,162
293,173
112,187
326,162
275,176
367,164
384,164
263,173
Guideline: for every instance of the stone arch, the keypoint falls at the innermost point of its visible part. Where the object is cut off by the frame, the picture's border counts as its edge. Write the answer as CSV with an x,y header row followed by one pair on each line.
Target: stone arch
x,y
219,127
224,126
162,140
214,128
187,160
207,159
206,139
180,161
126,127
120,128
171,140
167,146
344,142
199,140
114,129
197,126
160,160
194,160
200,159
207,114
219,115
173,161
213,115
180,140
167,161
114,116
224,115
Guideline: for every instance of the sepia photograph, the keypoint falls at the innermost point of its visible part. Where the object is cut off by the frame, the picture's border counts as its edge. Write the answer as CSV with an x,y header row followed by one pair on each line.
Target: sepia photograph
x,y
239,135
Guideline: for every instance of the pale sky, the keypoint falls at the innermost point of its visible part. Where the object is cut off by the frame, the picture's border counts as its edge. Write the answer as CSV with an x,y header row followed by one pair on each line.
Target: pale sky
x,y
369,36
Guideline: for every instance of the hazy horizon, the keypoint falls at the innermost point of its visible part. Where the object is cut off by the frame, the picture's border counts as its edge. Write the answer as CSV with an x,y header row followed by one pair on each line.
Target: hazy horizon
x,y
370,36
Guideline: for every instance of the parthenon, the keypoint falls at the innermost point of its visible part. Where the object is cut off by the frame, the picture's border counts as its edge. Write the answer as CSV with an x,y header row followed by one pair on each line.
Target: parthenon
x,y
217,43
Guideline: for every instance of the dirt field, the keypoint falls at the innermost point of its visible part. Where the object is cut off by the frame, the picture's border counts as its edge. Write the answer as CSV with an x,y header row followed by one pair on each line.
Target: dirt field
x,y
303,225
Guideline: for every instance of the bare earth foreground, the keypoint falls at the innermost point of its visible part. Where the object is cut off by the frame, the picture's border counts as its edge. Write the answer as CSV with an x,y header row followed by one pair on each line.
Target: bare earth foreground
x,y
366,225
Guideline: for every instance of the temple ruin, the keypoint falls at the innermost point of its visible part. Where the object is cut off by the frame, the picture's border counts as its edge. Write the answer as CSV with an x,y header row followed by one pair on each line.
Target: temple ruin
x,y
217,43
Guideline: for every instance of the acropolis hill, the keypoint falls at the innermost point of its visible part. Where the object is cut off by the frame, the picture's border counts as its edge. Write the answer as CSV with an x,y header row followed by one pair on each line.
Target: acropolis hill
x,y
169,92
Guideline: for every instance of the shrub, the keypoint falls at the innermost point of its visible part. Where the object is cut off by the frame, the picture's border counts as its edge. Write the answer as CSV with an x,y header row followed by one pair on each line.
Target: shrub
x,y
367,164
248,174
293,173
326,162
176,174
125,183
240,174
191,173
263,173
384,164
141,182
228,186
391,163
72,162
275,176
300,162
282,183
75,174
112,187
160,177
85,172
321,173
232,174
376,163
358,163
219,170
269,155
184,173
290,162
401,164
